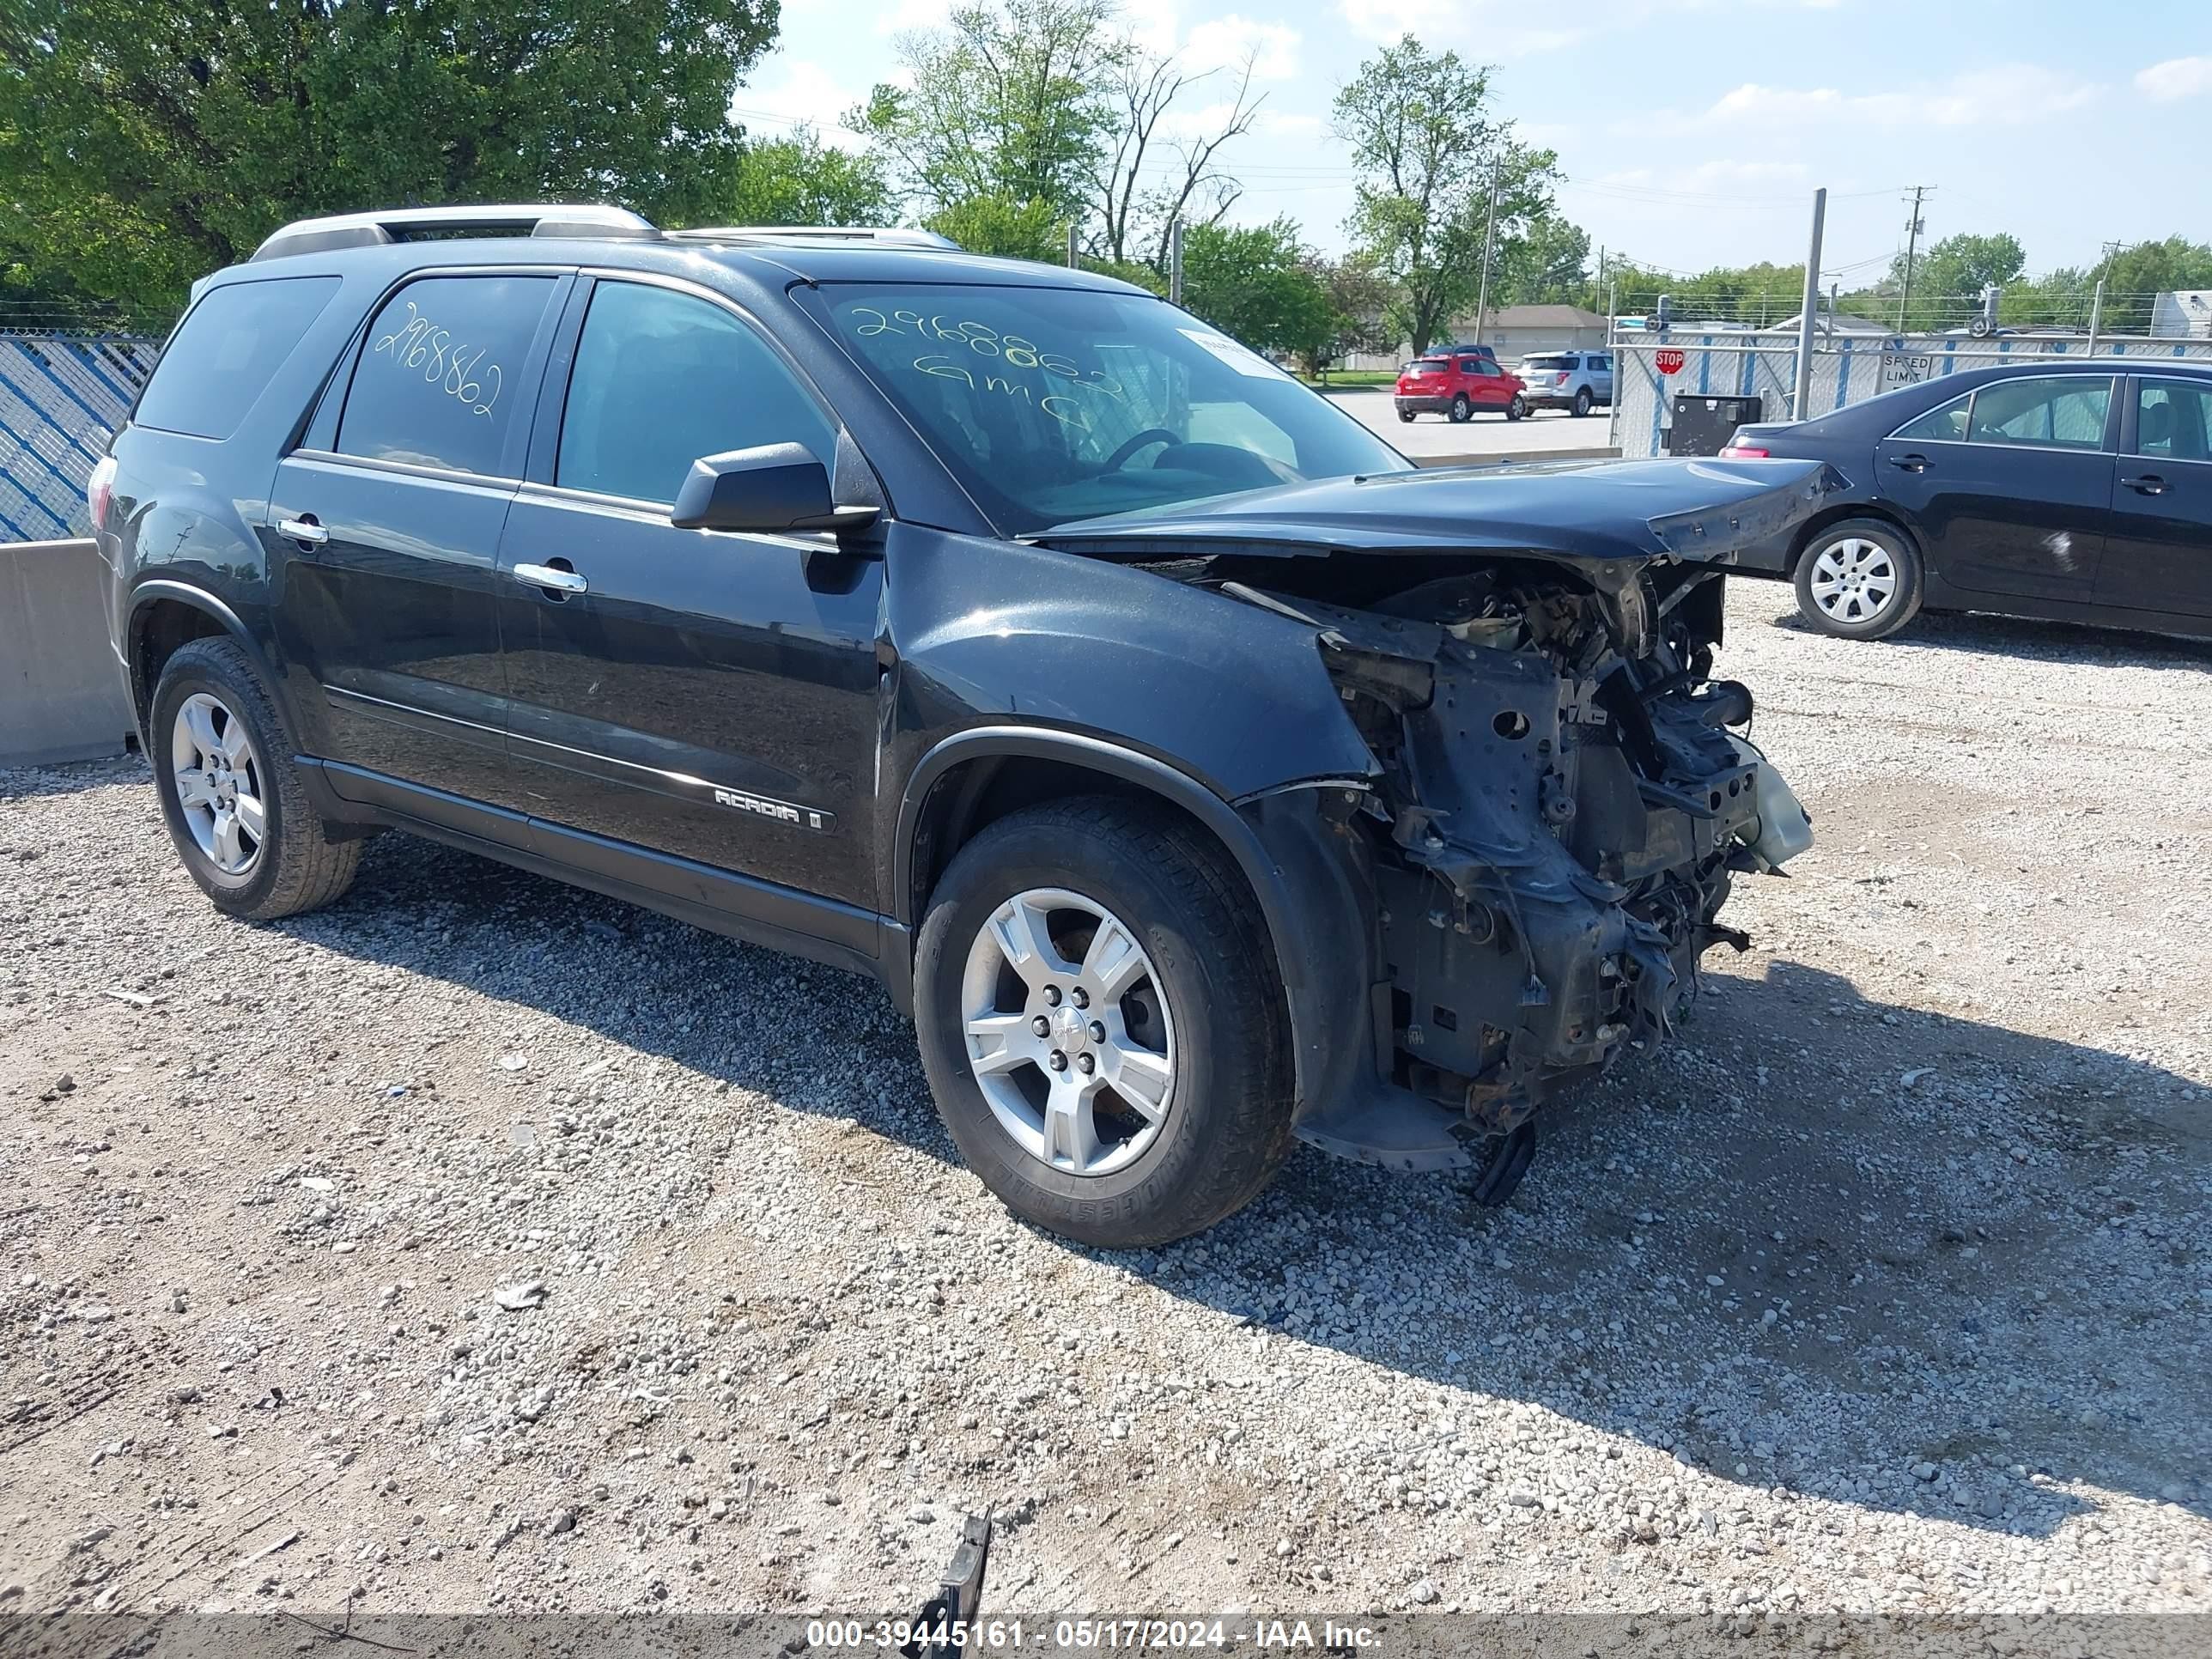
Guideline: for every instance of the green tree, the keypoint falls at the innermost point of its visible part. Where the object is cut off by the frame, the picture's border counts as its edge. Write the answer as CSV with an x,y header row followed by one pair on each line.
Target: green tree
x,y
1358,318
1005,107
1428,152
1253,282
1948,278
1758,294
800,180
2135,276
1002,226
1545,261
142,142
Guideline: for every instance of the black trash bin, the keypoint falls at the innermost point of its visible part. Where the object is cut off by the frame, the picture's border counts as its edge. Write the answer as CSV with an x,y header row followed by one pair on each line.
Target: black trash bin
x,y
1704,423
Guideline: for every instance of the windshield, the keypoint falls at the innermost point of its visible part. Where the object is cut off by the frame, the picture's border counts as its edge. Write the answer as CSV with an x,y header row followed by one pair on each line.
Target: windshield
x,y
1051,404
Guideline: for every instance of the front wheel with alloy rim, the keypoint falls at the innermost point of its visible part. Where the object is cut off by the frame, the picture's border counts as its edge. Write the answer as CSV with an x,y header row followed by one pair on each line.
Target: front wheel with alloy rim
x,y
230,793
1859,579
1102,1023
1518,408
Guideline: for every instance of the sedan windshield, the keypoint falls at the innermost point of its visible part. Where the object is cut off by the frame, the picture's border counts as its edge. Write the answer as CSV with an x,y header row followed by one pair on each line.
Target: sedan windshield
x,y
1051,404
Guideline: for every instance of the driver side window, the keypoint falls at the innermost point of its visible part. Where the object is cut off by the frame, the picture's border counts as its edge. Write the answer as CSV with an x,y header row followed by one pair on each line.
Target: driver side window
x,y
663,377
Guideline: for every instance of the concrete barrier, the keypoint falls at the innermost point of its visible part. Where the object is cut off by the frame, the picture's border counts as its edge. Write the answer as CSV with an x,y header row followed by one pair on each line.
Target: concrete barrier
x,y
61,694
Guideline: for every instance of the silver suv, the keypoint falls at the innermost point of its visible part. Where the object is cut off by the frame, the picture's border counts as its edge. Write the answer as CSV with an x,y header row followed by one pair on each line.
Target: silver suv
x,y
1568,379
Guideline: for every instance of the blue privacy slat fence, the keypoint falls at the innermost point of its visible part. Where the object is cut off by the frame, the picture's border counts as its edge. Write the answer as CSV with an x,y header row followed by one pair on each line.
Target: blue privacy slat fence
x,y
1846,368
61,395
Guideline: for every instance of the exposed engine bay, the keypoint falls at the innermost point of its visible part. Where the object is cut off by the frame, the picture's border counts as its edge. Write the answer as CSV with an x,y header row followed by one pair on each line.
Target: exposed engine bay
x,y
1564,795
1554,792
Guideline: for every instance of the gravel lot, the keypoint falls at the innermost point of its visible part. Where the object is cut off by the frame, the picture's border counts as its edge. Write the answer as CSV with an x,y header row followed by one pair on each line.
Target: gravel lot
x,y
1886,1288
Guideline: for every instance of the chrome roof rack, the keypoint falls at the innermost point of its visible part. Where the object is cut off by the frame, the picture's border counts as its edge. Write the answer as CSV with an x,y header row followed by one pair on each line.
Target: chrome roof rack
x,y
589,221
890,235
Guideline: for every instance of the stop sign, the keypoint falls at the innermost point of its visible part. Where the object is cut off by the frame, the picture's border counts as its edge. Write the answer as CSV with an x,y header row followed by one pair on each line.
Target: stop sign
x,y
1667,362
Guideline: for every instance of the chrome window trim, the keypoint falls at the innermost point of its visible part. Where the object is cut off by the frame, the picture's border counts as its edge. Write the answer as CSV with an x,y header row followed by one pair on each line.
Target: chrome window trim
x,y
405,469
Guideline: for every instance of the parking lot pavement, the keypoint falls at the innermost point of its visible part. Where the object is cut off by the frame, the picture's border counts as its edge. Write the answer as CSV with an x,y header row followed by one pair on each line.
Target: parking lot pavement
x,y
1884,1288
1485,437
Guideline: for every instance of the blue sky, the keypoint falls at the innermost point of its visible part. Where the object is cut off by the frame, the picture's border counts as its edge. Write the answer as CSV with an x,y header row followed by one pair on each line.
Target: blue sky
x,y
1692,132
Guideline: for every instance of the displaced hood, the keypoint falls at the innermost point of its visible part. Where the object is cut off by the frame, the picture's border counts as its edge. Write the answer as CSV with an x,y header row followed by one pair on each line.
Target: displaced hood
x,y
1592,514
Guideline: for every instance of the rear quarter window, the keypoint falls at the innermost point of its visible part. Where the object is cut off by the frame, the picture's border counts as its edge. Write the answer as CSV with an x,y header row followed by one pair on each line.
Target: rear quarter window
x,y
229,346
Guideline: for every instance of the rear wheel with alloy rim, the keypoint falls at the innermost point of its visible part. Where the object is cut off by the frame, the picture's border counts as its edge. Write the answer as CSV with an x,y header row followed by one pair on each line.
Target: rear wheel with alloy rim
x,y
231,797
1102,1023
1859,579
1582,401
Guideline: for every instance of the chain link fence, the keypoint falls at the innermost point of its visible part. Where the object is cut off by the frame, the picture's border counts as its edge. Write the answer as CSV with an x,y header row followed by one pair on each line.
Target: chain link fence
x,y
62,394
1648,372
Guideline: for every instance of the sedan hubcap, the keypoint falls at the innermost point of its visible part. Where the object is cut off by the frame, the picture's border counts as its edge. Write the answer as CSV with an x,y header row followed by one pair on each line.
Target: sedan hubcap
x,y
219,783
1069,1032
1854,579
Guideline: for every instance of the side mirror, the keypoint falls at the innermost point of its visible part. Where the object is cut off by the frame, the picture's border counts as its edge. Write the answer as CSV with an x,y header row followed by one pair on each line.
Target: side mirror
x,y
771,487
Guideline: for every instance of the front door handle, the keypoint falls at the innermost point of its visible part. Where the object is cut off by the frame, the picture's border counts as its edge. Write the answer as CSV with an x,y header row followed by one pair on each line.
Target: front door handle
x,y
558,579
2148,484
1909,463
303,530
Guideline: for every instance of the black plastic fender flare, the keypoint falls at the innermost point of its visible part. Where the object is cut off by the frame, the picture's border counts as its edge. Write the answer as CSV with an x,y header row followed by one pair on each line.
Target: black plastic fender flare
x,y
1307,927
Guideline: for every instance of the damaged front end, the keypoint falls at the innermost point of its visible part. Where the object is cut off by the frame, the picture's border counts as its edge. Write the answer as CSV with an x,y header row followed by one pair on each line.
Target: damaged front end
x,y
1564,798
1561,792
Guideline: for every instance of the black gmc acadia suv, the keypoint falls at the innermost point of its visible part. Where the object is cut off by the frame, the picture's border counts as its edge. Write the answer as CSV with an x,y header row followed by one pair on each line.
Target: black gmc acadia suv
x,y
1200,776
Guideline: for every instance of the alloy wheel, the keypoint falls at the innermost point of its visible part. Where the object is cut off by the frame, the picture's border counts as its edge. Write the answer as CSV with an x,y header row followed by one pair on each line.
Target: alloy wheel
x,y
1854,579
1068,1031
220,787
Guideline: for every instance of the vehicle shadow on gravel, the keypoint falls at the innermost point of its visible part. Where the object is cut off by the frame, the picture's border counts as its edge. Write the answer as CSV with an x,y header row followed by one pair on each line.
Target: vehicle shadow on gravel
x,y
1908,1262
2063,644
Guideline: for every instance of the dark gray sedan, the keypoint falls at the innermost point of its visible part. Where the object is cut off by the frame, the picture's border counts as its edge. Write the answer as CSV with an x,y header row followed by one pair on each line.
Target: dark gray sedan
x,y
2077,490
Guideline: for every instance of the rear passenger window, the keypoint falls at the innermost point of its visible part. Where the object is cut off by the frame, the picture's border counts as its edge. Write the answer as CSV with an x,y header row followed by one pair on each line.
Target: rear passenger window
x,y
437,382
223,356
662,378
2064,410
1944,424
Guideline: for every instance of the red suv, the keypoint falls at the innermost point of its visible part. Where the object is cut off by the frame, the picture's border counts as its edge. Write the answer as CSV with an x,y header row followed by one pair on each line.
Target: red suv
x,y
1458,382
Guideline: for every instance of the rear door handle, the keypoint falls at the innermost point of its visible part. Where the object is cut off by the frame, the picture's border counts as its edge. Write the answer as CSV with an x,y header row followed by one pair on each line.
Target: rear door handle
x,y
546,575
1910,463
2148,484
303,530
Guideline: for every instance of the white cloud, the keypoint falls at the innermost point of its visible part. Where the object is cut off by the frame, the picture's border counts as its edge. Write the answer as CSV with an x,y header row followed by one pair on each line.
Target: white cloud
x,y
1282,124
1226,42
2006,94
801,94
903,15
2177,77
1439,22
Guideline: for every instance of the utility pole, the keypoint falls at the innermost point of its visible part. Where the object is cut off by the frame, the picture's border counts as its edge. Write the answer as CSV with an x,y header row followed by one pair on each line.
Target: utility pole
x,y
1071,244
1489,237
2096,315
1598,292
1802,396
1911,246
1175,264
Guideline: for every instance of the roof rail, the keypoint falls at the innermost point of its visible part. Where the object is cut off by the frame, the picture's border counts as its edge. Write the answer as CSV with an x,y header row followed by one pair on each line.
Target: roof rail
x,y
586,219
894,235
